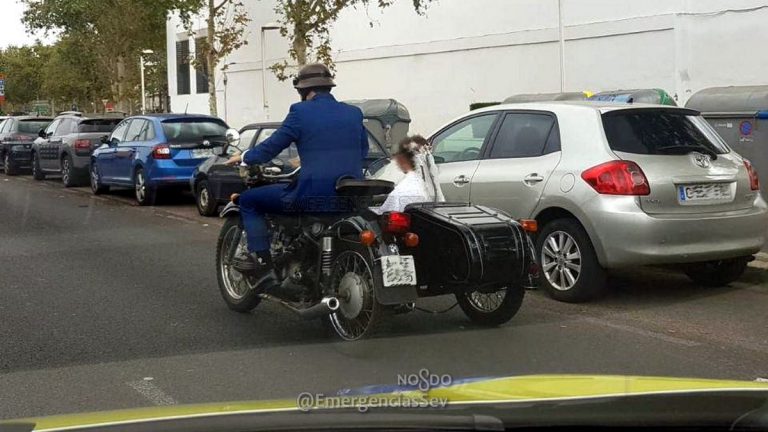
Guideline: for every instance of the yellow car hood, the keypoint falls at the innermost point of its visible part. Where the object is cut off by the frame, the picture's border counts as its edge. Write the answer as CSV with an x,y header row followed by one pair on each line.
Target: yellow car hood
x,y
496,390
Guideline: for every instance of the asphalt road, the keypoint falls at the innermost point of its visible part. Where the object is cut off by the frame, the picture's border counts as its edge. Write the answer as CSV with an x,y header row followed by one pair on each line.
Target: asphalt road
x,y
107,305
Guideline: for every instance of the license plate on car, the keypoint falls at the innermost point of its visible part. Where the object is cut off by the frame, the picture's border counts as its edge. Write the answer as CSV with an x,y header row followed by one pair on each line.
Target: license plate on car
x,y
398,270
202,153
704,193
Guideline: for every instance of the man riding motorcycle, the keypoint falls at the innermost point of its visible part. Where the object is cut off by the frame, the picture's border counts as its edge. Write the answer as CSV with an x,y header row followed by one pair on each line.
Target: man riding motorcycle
x,y
331,142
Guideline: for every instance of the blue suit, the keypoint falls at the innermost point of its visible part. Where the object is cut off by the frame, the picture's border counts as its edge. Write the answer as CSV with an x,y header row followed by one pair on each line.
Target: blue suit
x,y
332,143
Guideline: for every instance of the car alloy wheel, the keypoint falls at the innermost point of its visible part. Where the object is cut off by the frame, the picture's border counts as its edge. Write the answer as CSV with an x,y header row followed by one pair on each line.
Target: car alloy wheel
x,y
66,170
204,197
140,186
561,260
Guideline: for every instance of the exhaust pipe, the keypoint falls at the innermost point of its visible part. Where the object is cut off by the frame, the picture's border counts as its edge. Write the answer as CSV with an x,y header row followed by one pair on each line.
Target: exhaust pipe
x,y
326,306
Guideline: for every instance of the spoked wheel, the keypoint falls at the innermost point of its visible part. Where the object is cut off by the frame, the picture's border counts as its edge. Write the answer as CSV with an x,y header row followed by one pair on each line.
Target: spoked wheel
x,y
358,309
66,172
492,308
238,291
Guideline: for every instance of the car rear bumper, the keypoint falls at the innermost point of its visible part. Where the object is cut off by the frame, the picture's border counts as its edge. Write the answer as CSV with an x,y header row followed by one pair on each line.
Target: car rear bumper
x,y
166,173
624,235
20,154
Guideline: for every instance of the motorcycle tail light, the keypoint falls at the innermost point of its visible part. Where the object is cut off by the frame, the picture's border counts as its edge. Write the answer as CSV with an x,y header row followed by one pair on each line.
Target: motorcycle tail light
x,y
529,225
411,239
754,181
161,152
396,223
367,238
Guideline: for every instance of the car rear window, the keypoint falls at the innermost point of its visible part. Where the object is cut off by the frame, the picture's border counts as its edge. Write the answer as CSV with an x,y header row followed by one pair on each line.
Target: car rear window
x,y
658,132
32,126
98,125
193,130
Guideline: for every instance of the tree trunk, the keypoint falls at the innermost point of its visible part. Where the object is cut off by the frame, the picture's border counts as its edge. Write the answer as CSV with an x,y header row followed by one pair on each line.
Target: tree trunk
x,y
211,61
300,46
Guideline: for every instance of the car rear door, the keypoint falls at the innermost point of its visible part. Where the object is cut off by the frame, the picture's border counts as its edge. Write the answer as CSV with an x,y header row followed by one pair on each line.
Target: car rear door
x,y
457,150
517,165
689,168
106,157
126,151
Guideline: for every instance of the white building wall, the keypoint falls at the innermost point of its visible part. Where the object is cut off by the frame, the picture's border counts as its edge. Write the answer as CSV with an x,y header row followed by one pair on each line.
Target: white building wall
x,y
466,51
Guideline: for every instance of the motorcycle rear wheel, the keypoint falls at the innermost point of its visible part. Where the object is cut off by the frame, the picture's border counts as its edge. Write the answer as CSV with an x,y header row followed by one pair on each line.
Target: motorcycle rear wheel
x,y
492,309
359,311
239,291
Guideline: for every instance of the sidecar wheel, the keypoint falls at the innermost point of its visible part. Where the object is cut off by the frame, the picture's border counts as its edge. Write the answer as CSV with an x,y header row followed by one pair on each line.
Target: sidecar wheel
x,y
358,313
491,309
238,291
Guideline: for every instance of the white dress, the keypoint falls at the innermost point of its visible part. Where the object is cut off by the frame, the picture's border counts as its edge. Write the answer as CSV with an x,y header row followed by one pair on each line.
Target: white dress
x,y
411,189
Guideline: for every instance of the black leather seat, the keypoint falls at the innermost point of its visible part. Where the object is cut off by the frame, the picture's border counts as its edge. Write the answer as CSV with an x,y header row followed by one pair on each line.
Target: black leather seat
x,y
363,188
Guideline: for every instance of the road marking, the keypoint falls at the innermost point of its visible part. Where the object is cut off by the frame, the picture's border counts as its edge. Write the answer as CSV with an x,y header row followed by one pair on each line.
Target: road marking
x,y
149,390
641,332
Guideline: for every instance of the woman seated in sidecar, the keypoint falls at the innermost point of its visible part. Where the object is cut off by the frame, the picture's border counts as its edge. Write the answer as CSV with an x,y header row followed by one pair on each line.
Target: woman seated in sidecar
x,y
419,184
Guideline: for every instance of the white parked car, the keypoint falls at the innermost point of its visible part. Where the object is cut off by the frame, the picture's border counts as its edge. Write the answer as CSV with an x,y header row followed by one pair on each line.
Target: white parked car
x,y
611,185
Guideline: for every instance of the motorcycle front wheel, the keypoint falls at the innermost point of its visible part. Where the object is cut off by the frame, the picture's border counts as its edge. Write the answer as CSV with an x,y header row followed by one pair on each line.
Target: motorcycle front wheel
x,y
359,311
491,309
238,291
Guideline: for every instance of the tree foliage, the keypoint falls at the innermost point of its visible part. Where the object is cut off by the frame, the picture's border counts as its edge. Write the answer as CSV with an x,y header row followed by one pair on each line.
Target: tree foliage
x,y
23,67
110,35
307,24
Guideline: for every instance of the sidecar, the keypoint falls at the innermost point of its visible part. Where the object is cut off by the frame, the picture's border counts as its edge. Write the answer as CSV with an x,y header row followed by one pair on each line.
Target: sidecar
x,y
469,248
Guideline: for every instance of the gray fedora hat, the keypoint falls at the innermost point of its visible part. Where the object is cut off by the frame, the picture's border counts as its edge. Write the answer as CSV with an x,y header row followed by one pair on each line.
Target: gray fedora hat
x,y
314,75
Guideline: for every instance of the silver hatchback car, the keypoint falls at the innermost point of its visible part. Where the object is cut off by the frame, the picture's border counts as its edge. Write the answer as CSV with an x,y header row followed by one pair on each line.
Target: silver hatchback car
x,y
611,185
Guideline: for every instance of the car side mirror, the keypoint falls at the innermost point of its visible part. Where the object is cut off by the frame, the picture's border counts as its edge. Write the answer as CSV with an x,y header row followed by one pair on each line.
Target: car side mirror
x,y
105,139
42,134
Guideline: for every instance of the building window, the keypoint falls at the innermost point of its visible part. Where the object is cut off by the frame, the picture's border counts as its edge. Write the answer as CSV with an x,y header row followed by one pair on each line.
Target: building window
x,y
182,67
201,66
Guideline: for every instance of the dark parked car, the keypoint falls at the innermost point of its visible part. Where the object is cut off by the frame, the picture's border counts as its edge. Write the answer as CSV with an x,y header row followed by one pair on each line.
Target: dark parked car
x,y
65,146
156,151
16,136
213,182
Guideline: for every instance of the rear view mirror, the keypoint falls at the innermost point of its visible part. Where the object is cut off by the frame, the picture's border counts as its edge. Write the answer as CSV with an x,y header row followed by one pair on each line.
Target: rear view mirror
x,y
105,139
233,137
42,134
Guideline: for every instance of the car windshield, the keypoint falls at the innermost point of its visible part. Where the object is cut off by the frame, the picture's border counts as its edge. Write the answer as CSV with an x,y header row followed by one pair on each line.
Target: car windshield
x,y
98,125
657,132
192,130
32,126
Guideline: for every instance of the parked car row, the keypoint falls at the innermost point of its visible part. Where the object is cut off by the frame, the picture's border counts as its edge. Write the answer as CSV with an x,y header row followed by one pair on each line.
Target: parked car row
x,y
610,185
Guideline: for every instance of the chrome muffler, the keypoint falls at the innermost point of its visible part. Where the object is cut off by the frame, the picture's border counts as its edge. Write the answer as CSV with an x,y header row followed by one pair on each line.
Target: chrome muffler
x,y
326,306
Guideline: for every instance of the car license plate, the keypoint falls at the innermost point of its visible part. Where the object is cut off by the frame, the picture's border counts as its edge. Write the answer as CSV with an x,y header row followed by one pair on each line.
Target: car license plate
x,y
202,153
704,193
398,270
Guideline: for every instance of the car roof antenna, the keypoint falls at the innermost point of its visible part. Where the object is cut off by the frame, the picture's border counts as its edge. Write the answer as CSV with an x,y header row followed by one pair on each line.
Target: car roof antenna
x,y
186,108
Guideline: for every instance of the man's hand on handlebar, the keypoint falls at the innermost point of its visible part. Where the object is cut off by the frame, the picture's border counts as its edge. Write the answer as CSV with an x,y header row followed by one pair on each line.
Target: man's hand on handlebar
x,y
235,160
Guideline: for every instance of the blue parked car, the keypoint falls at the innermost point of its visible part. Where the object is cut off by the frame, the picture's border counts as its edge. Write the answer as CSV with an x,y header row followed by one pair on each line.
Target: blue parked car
x,y
151,152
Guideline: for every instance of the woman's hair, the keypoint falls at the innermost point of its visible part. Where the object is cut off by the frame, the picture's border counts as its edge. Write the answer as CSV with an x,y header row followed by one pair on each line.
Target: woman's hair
x,y
406,149
419,140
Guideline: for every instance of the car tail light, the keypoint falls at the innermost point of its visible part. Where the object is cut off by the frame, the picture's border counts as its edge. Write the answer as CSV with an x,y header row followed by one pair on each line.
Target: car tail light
x,y
396,223
754,181
161,151
21,138
82,144
617,178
